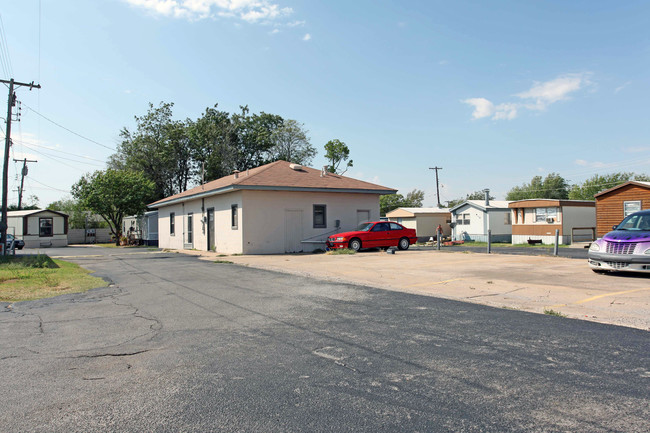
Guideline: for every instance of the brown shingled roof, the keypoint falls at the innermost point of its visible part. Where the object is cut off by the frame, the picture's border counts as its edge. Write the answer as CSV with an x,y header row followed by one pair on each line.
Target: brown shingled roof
x,y
279,175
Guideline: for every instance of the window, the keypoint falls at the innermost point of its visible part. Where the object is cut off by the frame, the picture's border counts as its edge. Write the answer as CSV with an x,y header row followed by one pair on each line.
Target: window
x,y
234,216
542,214
507,220
190,217
629,207
459,219
172,224
381,227
45,227
320,221
394,226
466,218
399,220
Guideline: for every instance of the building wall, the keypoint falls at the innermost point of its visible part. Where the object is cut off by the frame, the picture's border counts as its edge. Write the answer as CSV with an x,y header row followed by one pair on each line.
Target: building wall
x,y
264,217
567,217
228,240
578,217
479,222
609,207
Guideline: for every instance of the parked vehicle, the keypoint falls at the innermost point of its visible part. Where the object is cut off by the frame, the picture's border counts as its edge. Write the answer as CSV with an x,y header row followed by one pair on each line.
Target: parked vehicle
x,y
627,248
18,243
377,234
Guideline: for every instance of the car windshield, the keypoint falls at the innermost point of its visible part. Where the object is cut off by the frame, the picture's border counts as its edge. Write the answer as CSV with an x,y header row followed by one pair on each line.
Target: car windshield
x,y
364,227
635,222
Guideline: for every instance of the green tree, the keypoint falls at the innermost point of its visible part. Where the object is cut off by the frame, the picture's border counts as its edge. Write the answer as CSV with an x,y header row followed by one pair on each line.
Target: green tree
x,y
291,143
553,186
390,202
337,152
32,204
75,211
251,138
114,194
211,136
597,183
160,148
476,195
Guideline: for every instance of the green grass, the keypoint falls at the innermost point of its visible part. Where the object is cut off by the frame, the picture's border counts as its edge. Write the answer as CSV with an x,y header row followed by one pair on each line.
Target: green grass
x,y
550,312
26,278
341,251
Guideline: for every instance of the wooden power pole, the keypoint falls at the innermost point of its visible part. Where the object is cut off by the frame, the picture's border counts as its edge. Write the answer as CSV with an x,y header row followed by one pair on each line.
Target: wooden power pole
x,y
437,184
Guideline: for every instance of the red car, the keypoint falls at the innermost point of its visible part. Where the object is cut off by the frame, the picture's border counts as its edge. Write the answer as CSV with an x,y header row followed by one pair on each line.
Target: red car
x,y
378,234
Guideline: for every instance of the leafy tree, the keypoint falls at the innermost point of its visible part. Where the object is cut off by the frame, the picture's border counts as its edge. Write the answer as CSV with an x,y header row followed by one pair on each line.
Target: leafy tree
x,y
78,216
476,195
251,138
114,194
211,136
33,204
553,186
337,152
598,183
159,148
292,144
392,201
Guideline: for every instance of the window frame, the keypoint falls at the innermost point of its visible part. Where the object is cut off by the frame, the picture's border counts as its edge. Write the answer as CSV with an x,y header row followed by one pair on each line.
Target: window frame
x,y
324,212
40,227
172,224
234,216
626,213
190,228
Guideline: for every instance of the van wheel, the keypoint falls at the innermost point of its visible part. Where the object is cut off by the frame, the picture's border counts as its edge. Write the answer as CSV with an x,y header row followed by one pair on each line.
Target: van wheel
x,y
355,244
403,244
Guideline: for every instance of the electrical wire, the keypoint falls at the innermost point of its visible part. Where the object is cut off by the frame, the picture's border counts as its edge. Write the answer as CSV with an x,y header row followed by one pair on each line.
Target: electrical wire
x,y
32,145
47,186
4,52
68,129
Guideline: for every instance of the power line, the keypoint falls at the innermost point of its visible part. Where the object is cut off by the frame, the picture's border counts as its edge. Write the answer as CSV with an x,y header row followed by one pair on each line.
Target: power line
x,y
68,129
48,187
57,158
4,52
31,145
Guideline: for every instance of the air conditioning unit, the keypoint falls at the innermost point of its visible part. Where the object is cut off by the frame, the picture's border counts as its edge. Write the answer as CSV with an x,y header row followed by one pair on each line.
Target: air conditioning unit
x,y
550,220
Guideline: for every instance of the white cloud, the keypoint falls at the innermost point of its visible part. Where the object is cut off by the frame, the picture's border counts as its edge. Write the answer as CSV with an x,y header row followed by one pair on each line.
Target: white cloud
x,y
296,24
548,92
306,37
594,164
482,107
622,86
251,11
274,32
539,97
637,149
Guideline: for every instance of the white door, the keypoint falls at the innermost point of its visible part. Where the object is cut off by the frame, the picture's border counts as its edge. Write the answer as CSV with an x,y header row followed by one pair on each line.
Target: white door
x,y
363,216
292,231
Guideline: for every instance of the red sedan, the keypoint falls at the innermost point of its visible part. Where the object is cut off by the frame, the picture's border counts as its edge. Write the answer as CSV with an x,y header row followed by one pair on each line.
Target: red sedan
x,y
378,234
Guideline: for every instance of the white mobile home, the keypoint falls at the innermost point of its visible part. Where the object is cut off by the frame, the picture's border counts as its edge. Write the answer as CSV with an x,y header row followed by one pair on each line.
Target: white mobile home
x,y
472,219
39,228
276,208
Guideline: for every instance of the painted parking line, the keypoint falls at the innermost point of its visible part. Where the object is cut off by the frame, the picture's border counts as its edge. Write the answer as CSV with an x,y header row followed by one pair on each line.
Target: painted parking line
x,y
435,282
604,295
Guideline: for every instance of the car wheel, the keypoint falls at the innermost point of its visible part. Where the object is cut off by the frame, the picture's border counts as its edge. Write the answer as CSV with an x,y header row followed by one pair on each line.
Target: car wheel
x,y
403,244
355,244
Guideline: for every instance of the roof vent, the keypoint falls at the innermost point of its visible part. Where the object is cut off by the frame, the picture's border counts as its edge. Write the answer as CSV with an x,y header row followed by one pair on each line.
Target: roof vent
x,y
323,172
295,167
236,172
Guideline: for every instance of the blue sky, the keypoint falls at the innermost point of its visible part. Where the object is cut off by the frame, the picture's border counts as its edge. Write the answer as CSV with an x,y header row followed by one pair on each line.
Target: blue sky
x,y
493,92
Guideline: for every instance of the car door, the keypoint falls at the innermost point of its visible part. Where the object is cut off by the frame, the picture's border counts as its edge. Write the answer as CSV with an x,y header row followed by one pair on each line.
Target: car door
x,y
379,235
396,233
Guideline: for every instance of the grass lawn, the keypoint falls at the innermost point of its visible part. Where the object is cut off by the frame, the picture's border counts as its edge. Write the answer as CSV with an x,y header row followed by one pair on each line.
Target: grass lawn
x,y
25,278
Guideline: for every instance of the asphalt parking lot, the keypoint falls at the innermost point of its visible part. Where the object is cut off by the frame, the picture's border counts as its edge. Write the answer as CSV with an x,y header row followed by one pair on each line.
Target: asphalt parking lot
x,y
180,344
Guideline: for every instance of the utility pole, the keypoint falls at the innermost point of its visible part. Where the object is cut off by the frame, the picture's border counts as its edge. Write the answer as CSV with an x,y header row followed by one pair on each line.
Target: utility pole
x,y
437,184
22,180
11,101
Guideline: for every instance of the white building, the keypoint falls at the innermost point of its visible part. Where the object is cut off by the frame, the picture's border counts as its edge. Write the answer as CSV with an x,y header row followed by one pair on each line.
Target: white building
x,y
143,228
472,219
39,228
276,208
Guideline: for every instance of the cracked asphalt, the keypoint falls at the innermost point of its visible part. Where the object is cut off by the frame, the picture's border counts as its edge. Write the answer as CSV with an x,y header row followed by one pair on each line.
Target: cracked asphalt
x,y
178,344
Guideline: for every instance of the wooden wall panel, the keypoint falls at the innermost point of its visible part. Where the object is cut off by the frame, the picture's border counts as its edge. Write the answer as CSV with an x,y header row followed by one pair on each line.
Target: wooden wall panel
x,y
609,207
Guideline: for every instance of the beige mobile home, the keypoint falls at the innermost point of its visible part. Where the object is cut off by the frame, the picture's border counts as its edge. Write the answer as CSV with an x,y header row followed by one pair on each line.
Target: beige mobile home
x,y
39,228
424,220
276,208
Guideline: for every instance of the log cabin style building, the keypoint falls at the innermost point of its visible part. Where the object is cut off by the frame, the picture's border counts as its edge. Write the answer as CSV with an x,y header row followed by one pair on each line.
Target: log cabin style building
x,y
614,204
